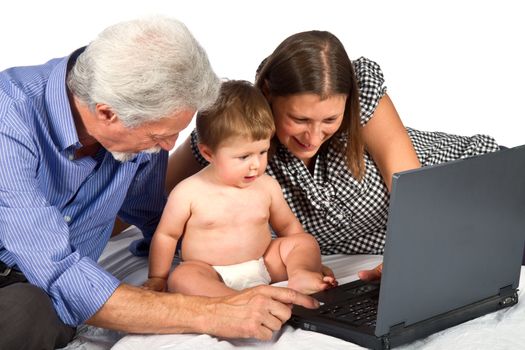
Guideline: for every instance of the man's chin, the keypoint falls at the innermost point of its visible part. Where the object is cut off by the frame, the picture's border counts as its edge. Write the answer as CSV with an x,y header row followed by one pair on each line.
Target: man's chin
x,y
124,157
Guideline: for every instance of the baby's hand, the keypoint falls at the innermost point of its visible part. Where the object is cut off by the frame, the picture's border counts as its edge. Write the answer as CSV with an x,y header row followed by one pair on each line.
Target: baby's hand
x,y
330,281
155,283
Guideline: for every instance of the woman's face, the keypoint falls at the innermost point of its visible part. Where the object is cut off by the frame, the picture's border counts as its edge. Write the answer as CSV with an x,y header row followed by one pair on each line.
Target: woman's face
x,y
303,122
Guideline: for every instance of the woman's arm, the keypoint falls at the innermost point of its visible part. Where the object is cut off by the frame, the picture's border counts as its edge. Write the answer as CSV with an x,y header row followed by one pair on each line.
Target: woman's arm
x,y
387,141
181,165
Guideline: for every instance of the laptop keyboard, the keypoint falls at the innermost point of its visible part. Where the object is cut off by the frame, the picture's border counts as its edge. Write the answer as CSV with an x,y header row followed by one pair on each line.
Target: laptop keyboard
x,y
360,309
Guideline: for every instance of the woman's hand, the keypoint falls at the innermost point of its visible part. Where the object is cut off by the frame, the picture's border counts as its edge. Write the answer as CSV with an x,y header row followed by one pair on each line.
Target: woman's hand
x,y
371,275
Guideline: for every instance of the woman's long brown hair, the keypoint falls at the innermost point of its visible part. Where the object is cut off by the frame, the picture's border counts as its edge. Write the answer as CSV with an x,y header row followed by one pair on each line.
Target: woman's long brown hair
x,y
316,62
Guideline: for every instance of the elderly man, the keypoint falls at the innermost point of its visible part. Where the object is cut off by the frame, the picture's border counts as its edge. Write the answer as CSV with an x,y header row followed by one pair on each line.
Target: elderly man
x,y
84,139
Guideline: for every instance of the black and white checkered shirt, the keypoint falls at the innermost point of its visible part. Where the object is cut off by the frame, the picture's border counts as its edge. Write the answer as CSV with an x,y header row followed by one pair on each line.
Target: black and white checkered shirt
x,y
346,215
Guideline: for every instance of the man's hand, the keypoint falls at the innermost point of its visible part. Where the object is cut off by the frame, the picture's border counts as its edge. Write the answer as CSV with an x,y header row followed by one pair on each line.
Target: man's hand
x,y
371,275
254,313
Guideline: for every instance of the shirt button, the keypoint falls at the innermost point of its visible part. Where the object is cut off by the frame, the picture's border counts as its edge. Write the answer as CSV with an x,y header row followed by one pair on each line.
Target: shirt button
x,y
326,203
339,216
67,218
71,157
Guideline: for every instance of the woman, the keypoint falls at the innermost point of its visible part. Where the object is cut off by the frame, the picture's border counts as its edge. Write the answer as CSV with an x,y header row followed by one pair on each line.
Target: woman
x,y
338,142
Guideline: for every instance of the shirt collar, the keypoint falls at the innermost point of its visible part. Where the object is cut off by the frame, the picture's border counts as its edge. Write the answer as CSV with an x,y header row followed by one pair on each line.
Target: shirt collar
x,y
61,120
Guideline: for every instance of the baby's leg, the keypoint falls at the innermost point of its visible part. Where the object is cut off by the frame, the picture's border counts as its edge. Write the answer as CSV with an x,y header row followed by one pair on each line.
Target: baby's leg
x,y
297,258
197,278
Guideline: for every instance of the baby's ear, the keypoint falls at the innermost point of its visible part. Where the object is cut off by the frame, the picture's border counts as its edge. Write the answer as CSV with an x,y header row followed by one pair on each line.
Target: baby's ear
x,y
205,151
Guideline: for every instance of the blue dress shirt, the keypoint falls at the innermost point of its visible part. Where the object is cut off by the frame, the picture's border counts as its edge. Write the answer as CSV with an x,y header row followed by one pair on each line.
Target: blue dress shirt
x,y
57,212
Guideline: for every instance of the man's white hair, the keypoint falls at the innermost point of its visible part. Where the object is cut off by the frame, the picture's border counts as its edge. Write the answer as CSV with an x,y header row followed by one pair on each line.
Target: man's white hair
x,y
145,70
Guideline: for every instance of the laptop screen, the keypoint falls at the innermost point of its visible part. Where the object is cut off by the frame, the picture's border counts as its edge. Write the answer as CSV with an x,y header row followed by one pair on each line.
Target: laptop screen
x,y
455,236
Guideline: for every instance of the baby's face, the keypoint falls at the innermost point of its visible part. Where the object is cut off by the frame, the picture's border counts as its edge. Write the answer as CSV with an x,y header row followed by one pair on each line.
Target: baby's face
x,y
239,161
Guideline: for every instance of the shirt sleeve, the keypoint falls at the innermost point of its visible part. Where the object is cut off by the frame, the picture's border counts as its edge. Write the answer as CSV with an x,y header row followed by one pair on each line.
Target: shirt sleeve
x,y
146,199
35,236
371,86
195,150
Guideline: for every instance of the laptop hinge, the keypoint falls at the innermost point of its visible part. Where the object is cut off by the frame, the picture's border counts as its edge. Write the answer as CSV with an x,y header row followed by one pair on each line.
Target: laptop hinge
x,y
509,295
393,330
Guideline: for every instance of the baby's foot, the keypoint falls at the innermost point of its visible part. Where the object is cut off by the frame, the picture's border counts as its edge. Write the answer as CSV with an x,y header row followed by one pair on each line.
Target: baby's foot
x,y
309,282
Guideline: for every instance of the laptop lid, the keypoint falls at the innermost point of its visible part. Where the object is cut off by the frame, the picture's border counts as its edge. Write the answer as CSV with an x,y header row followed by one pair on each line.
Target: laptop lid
x,y
455,235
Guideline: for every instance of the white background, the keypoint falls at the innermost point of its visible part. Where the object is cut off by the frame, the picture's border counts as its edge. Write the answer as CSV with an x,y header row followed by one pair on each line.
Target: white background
x,y
450,65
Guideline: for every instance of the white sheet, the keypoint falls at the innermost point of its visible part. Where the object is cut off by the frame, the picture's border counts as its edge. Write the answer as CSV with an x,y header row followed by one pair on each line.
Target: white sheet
x,y
500,330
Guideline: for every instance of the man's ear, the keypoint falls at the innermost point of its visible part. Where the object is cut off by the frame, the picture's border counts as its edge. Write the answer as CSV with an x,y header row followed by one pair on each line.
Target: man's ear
x,y
205,151
105,114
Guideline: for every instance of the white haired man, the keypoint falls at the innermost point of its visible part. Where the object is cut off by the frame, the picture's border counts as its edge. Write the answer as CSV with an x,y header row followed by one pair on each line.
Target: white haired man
x,y
84,139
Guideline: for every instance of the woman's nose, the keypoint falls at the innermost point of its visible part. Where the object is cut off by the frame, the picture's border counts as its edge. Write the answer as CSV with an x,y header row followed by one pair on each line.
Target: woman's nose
x,y
315,135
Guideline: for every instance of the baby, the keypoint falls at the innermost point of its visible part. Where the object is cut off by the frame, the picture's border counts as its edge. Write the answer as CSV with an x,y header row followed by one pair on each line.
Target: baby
x,y
224,212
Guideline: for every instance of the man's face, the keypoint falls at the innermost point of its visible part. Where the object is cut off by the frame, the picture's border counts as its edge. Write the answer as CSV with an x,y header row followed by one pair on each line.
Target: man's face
x,y
124,143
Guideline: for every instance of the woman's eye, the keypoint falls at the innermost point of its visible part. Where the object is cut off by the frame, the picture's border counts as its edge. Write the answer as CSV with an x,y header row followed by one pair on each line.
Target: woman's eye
x,y
298,120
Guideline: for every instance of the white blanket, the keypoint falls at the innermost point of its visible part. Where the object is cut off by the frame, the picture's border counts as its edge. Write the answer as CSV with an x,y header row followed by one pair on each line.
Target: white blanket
x,y
499,330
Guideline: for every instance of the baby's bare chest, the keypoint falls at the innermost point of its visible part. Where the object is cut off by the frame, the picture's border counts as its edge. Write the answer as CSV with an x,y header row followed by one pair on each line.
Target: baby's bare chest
x,y
232,209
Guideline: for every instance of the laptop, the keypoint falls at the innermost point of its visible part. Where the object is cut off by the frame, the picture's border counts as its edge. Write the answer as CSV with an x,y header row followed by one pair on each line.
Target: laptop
x,y
453,252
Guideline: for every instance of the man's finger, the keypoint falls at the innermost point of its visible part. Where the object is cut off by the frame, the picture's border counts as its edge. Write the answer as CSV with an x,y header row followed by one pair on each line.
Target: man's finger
x,y
273,321
288,296
280,311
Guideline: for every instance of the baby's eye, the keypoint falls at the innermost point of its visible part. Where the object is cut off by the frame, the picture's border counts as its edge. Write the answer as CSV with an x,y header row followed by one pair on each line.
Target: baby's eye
x,y
243,157
264,152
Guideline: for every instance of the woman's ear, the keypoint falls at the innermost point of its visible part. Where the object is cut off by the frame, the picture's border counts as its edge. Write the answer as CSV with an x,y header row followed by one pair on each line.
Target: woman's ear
x,y
206,152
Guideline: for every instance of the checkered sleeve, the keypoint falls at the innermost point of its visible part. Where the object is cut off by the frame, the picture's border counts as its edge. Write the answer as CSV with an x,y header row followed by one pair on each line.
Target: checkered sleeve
x,y
371,86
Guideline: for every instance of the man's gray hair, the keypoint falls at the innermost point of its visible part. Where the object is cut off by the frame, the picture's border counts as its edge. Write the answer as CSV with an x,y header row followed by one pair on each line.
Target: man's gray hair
x,y
144,70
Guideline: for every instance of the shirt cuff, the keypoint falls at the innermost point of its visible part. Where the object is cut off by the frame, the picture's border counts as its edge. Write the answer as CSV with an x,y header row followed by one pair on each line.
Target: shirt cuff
x,y
81,291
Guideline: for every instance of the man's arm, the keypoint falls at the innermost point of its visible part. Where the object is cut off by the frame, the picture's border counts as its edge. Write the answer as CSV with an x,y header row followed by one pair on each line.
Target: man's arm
x,y
35,234
255,313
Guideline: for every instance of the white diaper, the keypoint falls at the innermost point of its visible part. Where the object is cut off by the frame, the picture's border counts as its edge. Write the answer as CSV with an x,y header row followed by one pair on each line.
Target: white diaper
x,y
244,275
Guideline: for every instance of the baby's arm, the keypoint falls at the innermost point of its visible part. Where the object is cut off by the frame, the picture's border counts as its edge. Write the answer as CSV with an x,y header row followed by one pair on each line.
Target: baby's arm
x,y
164,242
312,276
282,219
